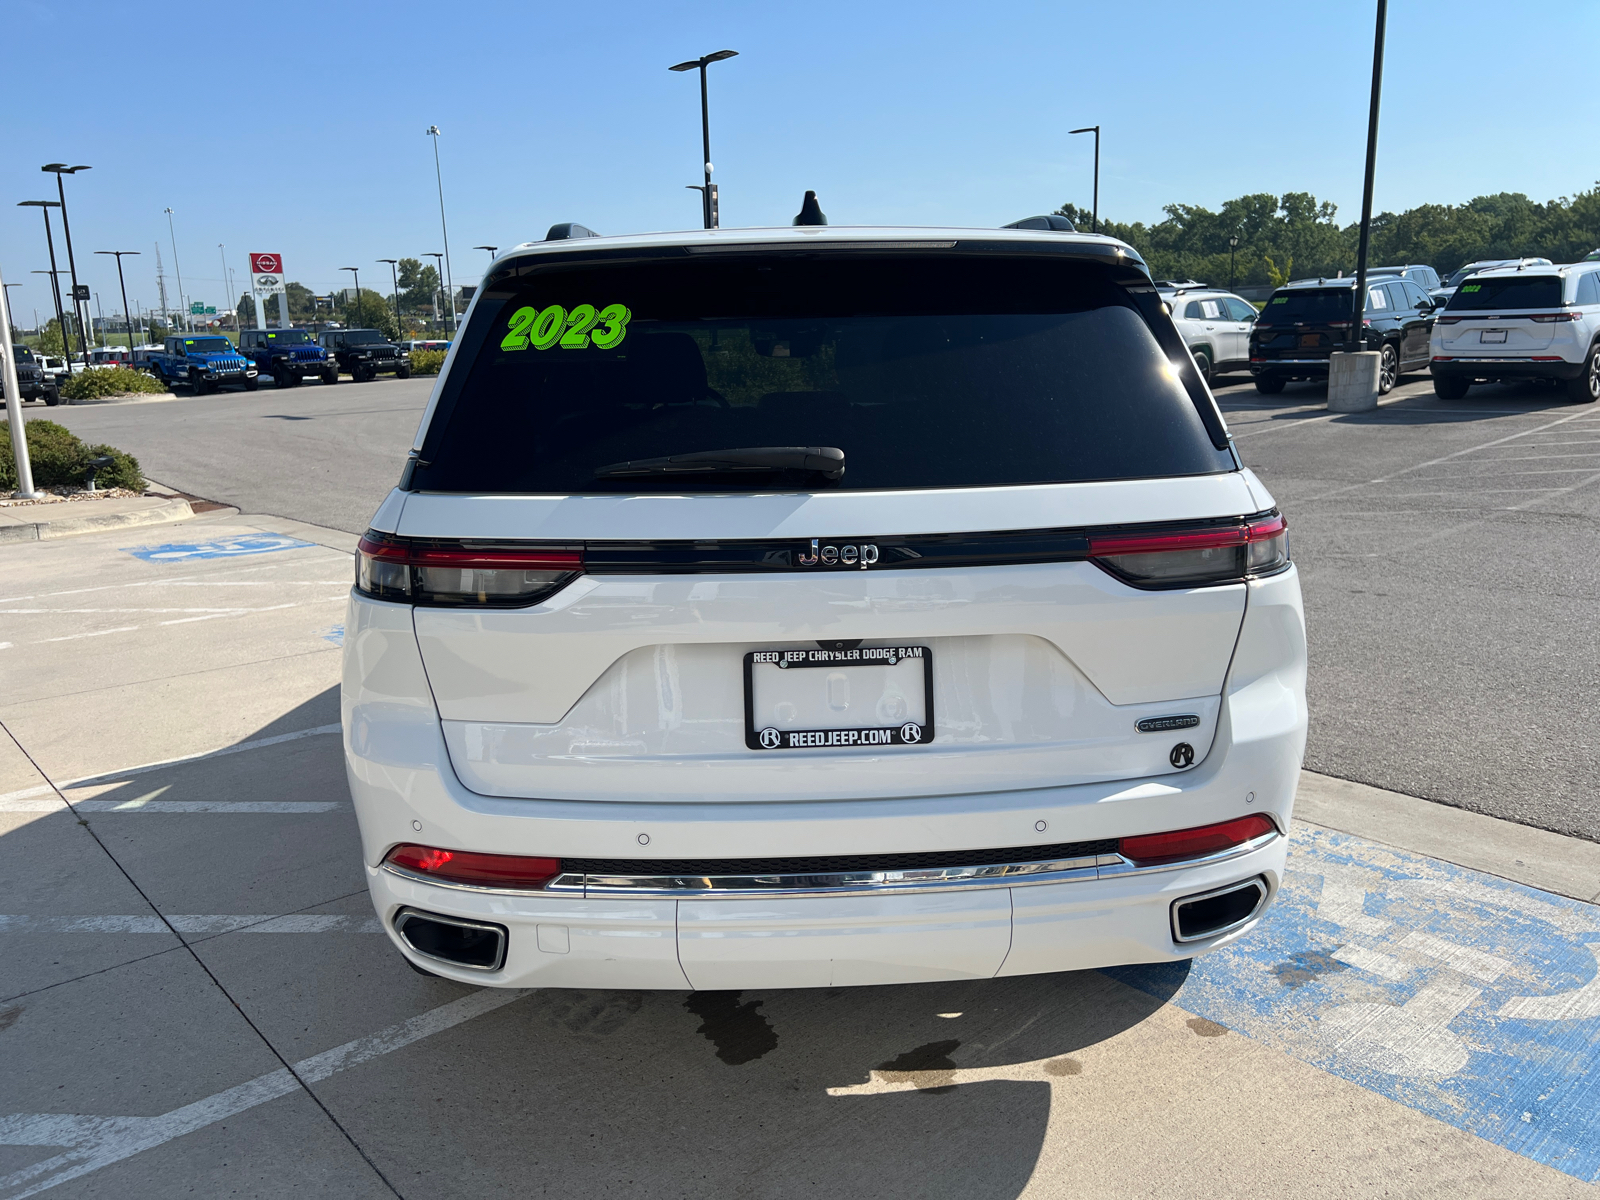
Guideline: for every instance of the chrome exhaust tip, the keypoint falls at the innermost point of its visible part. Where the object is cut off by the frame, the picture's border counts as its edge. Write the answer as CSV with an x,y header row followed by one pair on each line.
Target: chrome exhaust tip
x,y
1222,910
472,945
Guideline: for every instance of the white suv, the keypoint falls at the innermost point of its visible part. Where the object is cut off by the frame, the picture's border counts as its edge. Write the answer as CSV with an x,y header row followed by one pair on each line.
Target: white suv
x,y
803,608
1215,325
1515,323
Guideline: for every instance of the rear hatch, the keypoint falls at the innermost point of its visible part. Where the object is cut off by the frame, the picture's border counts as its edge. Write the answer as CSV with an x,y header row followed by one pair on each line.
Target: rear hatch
x,y
1035,544
1502,316
1302,325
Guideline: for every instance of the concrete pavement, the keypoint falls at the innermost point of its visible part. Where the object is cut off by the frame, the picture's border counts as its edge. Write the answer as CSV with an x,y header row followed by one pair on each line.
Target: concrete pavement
x,y
193,996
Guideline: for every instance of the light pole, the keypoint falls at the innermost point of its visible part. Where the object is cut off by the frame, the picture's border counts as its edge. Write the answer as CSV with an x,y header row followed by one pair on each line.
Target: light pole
x,y
1233,244
183,313
438,268
357,274
8,374
394,274
1360,307
44,206
1094,212
490,249
708,197
127,316
58,170
450,293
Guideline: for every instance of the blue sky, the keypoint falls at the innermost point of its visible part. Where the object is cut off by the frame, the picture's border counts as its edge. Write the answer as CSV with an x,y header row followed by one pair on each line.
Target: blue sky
x,y
298,128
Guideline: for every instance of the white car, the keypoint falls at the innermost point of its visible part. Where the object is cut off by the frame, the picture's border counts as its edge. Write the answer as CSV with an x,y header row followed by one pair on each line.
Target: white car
x,y
809,608
1215,325
1508,324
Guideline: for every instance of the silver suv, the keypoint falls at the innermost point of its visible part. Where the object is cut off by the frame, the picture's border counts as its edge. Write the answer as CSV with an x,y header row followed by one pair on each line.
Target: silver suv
x,y
1214,324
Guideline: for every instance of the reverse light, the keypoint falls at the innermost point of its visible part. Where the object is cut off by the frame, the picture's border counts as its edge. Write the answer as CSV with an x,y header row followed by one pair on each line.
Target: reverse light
x,y
1151,849
479,870
438,572
1195,557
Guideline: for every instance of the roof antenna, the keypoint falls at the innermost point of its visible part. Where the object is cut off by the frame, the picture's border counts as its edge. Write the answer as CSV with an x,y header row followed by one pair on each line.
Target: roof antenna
x,y
811,212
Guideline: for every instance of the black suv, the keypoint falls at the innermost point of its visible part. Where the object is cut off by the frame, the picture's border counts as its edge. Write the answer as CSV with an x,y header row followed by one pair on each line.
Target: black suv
x,y
32,382
1306,321
365,354
288,355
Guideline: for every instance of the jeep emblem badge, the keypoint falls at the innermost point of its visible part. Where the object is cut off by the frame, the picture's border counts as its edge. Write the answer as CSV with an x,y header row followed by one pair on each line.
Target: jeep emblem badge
x,y
862,555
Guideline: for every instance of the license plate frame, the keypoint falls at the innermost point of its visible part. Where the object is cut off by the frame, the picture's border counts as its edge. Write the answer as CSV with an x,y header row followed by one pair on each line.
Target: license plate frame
x,y
1310,341
1492,337
856,737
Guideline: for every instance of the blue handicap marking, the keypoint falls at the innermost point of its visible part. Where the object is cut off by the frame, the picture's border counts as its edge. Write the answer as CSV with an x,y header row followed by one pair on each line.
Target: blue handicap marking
x,y
1464,996
222,548
335,635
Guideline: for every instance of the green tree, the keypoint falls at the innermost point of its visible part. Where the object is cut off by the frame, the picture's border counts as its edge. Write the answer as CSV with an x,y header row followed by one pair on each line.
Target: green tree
x,y
369,310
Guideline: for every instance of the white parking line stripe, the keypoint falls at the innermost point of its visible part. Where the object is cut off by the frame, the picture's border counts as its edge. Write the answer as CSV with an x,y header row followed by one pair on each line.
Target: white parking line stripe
x,y
241,570
193,923
72,637
96,1142
112,776
49,804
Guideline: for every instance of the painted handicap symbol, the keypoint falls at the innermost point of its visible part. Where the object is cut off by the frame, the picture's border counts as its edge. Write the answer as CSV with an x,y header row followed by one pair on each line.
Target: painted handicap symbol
x,y
222,548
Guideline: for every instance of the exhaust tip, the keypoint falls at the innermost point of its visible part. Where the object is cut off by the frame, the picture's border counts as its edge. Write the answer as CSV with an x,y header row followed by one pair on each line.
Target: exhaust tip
x,y
473,945
1210,914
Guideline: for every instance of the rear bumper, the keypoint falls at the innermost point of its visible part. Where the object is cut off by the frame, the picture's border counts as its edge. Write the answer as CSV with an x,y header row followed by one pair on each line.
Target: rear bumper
x,y
405,790
1476,367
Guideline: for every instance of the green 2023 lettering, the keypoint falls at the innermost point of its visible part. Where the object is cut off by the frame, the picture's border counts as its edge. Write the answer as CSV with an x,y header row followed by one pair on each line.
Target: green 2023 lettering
x,y
584,325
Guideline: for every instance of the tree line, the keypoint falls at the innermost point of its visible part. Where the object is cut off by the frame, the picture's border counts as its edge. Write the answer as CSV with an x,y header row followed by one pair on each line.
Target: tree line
x,y
368,309
1295,236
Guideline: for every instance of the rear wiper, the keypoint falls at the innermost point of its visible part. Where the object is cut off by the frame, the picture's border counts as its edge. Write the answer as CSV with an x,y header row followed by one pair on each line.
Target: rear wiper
x,y
827,461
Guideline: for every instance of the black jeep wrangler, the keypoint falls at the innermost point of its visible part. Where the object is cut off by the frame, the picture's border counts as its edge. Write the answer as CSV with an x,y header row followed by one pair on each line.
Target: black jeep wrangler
x,y
288,355
32,382
364,354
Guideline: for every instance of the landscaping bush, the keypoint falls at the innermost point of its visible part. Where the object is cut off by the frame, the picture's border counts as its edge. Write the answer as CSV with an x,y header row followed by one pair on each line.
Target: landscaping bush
x,y
59,458
109,381
427,362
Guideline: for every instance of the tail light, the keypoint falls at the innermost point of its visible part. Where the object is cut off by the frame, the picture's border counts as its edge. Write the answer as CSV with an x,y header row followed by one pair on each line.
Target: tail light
x,y
475,870
1151,849
1195,557
1551,318
439,572
1448,320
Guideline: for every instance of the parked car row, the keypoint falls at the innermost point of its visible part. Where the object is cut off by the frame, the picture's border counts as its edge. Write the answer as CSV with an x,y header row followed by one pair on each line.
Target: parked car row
x,y
207,362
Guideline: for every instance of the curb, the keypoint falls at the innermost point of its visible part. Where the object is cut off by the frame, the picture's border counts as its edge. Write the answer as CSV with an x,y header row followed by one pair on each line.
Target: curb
x,y
38,531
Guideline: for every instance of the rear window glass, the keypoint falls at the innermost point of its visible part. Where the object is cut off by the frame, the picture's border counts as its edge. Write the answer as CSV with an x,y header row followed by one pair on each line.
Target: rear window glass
x,y
1516,291
1310,304
926,371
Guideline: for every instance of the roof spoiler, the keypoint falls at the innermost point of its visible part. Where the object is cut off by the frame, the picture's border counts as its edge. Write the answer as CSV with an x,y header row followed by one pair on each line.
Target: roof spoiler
x,y
569,229
1053,221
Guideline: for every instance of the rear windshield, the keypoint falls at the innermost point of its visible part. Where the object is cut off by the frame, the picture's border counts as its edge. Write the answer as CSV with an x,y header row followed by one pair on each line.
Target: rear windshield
x,y
1516,291
926,371
1309,305
364,337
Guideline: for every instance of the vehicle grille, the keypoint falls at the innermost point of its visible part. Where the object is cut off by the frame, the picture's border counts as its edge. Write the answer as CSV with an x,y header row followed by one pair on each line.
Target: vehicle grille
x,y
838,863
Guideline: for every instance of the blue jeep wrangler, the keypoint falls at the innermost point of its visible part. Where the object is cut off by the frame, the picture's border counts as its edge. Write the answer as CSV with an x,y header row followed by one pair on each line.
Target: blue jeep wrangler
x,y
288,355
201,363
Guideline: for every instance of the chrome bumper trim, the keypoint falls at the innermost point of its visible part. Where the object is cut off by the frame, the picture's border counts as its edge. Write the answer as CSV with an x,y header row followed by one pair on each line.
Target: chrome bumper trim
x,y
848,883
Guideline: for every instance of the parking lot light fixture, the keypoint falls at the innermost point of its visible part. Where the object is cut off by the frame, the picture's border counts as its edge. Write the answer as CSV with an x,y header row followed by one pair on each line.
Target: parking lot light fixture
x,y
172,235
8,374
354,271
1233,244
450,294
44,206
394,274
1359,308
127,316
58,170
709,210
1094,211
438,269
490,249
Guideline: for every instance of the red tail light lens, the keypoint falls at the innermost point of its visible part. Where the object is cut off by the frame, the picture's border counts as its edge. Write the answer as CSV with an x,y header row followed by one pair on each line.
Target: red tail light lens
x,y
1448,320
1195,557
1151,849
1550,318
482,870
449,573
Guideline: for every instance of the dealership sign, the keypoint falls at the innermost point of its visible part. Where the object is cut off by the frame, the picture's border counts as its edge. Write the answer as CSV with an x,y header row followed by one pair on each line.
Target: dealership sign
x,y
266,272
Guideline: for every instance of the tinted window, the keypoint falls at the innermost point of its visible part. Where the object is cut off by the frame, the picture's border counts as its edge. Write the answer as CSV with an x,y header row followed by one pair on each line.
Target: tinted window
x,y
1414,296
1509,292
364,337
207,345
1308,305
926,370
1588,289
1240,310
288,337
1191,311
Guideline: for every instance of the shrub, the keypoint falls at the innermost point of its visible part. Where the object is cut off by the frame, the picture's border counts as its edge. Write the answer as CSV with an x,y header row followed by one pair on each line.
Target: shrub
x,y
59,458
109,381
426,362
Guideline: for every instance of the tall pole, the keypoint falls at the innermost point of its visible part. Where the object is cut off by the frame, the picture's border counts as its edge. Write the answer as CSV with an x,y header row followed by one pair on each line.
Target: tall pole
x,y
60,169
1094,211
1359,309
394,275
19,435
44,206
173,234
357,274
438,264
438,174
127,313
708,212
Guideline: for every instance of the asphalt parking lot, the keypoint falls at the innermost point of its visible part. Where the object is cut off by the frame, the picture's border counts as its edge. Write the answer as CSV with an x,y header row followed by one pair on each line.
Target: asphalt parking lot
x,y
1448,555
197,999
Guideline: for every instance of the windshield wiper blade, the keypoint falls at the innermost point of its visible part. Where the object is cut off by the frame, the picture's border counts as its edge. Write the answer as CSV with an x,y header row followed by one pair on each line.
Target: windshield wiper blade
x,y
827,461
